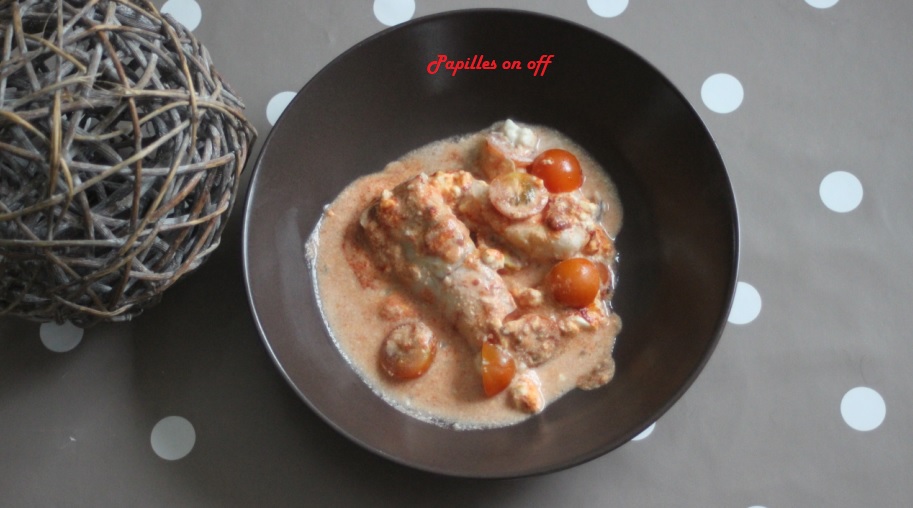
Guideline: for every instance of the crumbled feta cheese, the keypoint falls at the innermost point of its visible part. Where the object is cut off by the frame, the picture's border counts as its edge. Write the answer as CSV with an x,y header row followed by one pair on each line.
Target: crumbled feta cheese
x,y
493,258
528,297
526,393
511,129
528,138
519,136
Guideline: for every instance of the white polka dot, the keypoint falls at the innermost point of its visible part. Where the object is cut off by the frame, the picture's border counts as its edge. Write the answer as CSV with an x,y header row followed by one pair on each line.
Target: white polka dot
x,y
172,438
393,12
277,105
607,8
722,93
187,12
746,305
645,433
60,338
862,408
821,4
841,191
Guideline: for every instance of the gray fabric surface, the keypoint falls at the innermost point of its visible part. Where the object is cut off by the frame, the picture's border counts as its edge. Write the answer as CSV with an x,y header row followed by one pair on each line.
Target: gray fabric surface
x,y
825,89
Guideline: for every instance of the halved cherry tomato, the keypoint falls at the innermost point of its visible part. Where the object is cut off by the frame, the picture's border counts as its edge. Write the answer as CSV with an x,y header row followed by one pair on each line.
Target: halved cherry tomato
x,y
559,169
408,351
498,369
574,282
518,195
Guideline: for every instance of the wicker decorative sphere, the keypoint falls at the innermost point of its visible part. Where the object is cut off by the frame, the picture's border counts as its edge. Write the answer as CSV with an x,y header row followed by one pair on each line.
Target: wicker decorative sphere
x,y
121,150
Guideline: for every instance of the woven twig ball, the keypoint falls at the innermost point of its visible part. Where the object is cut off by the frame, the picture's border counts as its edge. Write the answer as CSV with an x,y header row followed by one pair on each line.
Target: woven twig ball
x,y
121,150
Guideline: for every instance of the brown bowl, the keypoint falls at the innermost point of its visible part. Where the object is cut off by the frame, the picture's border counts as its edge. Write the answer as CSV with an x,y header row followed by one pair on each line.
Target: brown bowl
x,y
678,244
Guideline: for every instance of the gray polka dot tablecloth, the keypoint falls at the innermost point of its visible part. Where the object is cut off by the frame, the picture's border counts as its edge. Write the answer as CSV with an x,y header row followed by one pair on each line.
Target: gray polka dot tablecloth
x,y
807,400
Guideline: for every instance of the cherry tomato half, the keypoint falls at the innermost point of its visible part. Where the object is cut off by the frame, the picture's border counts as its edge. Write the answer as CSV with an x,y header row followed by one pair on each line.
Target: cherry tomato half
x,y
574,282
498,369
559,169
517,195
408,351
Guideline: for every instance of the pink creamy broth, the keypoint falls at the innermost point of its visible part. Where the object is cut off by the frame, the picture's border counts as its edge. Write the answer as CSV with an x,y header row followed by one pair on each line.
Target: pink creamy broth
x,y
355,299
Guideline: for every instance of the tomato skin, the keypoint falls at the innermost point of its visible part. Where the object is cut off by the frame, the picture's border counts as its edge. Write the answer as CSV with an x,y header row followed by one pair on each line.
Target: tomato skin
x,y
498,369
574,282
559,169
408,351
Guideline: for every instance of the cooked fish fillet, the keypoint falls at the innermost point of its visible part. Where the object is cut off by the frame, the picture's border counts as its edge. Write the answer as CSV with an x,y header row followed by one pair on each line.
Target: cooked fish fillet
x,y
415,235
